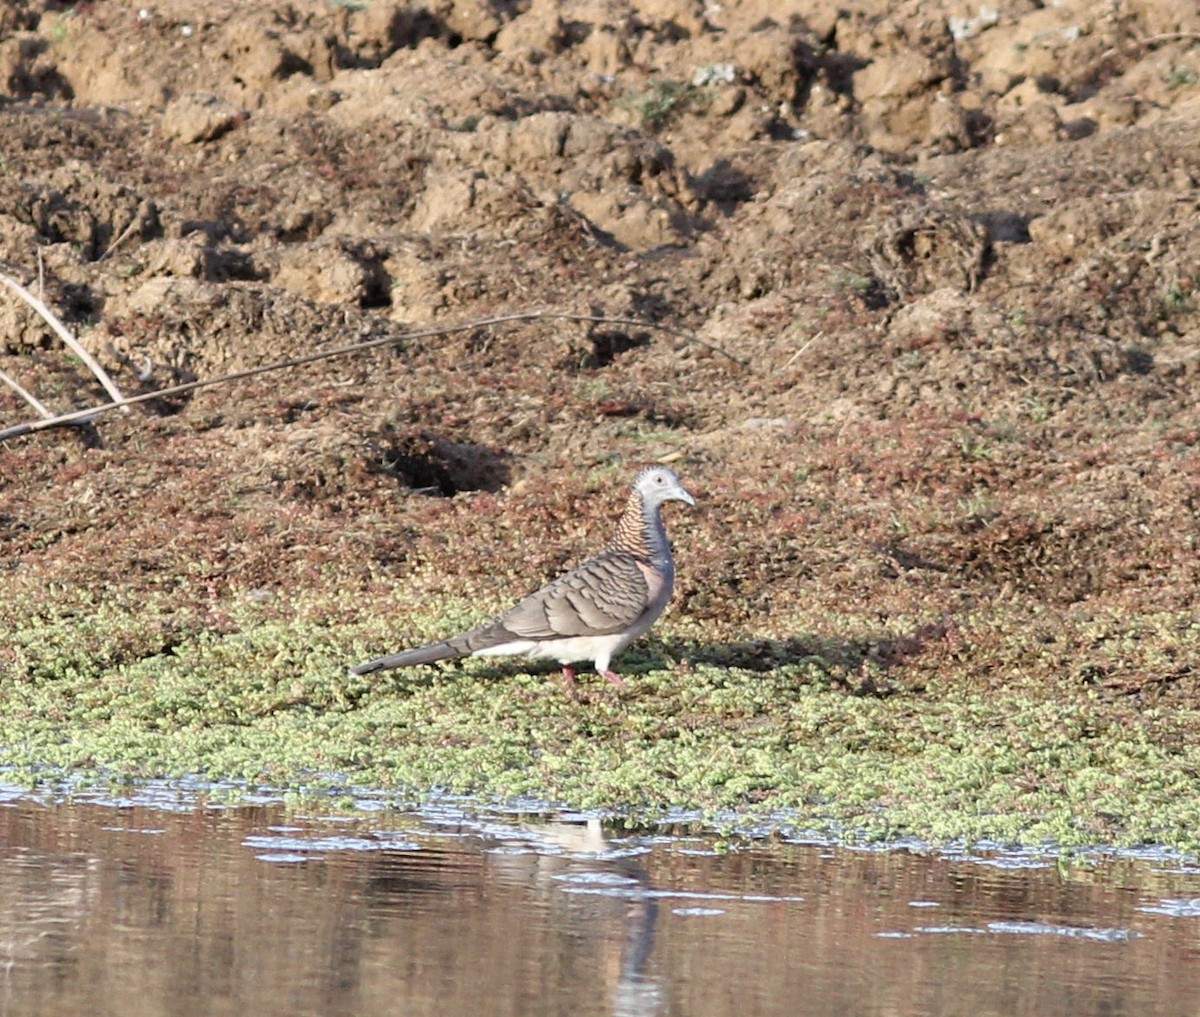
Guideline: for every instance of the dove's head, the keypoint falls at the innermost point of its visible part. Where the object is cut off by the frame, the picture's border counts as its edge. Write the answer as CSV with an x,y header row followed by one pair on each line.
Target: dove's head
x,y
658,484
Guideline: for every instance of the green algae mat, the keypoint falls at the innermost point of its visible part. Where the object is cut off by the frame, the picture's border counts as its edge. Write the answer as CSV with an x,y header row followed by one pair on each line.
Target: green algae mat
x,y
765,728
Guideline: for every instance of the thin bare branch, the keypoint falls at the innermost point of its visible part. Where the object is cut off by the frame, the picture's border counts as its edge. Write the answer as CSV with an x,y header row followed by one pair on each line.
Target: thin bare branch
x,y
125,234
72,343
1151,40
71,418
29,397
800,352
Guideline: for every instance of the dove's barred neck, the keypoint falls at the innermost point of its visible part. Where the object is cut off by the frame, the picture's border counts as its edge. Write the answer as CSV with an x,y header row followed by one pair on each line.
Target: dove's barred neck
x,y
640,531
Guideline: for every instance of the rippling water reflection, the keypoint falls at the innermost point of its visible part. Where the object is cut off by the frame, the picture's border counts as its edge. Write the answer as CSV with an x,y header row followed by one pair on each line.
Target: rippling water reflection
x,y
154,906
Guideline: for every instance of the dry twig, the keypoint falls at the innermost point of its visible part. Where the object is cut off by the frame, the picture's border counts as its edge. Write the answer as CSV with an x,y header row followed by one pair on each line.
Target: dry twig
x,y
72,343
28,396
119,402
1151,40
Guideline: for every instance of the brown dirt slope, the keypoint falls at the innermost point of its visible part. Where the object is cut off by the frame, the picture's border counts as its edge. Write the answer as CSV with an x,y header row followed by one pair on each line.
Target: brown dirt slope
x,y
940,260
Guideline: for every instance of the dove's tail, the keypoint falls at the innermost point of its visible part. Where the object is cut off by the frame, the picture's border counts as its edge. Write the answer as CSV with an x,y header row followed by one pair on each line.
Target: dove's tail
x,y
409,658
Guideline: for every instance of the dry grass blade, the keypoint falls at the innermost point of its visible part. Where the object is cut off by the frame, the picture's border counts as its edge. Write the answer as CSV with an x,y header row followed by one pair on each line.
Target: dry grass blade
x,y
28,396
72,343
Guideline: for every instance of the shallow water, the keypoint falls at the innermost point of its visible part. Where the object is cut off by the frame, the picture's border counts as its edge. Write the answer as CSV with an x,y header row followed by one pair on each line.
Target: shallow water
x,y
154,906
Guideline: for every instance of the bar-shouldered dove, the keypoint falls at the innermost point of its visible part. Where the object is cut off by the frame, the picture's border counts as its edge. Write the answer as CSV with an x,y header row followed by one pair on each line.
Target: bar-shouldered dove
x,y
592,612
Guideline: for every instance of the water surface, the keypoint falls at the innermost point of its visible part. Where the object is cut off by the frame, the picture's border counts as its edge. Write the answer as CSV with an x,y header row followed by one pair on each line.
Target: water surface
x,y
156,905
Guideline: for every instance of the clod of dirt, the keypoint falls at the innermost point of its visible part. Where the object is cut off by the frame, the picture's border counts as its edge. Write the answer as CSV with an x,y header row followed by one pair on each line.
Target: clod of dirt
x,y
928,249
200,117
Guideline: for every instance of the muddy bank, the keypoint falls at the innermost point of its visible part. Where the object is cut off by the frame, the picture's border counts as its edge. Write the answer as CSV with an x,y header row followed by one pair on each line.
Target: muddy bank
x,y
941,267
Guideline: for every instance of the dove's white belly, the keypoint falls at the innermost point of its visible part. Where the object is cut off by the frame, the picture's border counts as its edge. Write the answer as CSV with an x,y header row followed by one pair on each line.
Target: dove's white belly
x,y
599,649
